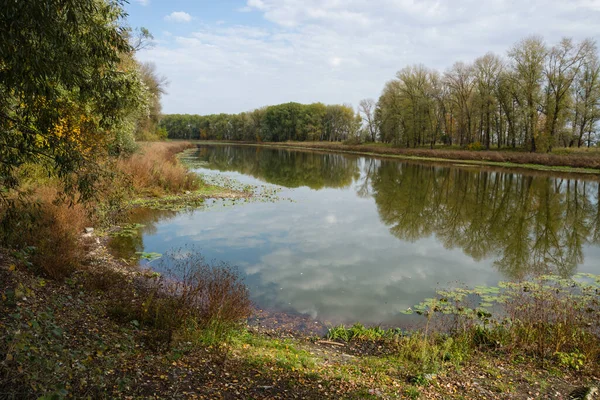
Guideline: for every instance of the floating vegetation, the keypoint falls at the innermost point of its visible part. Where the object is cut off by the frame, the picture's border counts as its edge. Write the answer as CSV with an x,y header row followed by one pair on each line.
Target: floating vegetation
x,y
191,200
148,256
127,231
507,301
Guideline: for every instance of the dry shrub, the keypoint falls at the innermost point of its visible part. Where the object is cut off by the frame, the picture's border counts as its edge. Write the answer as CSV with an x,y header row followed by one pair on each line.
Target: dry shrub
x,y
49,229
555,317
155,169
191,297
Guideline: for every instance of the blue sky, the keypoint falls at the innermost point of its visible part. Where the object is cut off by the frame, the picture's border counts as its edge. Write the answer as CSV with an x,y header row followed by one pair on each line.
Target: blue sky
x,y
233,56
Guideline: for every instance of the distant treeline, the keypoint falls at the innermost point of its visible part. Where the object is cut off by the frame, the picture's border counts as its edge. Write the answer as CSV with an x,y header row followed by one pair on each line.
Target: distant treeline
x,y
289,121
536,98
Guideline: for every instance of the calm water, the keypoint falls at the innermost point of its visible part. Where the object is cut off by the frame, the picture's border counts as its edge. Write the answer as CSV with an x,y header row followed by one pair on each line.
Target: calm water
x,y
363,238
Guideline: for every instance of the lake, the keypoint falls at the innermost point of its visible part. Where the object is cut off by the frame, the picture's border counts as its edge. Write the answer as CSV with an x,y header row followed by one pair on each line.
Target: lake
x,y
350,238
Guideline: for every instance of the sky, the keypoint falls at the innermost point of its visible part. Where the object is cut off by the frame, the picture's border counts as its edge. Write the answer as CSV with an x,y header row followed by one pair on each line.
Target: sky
x,y
233,55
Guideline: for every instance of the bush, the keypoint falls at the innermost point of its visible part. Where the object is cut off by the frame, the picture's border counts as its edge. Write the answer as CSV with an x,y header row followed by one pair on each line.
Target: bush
x,y
49,229
191,298
155,169
475,146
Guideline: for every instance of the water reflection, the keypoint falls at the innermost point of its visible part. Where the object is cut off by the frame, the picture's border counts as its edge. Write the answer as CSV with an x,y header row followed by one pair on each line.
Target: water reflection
x,y
291,169
364,238
528,224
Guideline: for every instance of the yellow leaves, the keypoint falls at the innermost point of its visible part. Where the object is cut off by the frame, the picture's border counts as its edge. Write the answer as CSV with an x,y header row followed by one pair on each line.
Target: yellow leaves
x,y
12,267
9,357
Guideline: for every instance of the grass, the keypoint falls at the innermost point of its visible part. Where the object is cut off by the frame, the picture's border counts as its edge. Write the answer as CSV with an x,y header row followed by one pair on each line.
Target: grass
x,y
47,229
360,332
48,226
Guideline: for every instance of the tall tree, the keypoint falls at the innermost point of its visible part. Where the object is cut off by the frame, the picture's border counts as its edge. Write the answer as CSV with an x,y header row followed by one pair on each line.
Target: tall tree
x,y
488,70
563,65
528,58
366,108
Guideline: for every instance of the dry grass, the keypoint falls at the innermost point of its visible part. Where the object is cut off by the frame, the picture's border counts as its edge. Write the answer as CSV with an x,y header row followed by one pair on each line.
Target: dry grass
x,y
49,230
155,169
573,159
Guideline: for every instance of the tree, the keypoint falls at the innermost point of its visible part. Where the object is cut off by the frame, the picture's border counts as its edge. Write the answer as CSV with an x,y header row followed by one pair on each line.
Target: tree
x,y
586,110
528,58
563,65
366,109
64,93
147,123
460,81
488,70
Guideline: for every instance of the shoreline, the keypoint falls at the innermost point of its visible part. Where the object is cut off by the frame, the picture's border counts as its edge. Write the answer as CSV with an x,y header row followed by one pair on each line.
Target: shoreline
x,y
91,341
450,157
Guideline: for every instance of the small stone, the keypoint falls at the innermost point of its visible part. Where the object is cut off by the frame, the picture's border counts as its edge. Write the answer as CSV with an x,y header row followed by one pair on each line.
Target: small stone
x,y
89,230
584,393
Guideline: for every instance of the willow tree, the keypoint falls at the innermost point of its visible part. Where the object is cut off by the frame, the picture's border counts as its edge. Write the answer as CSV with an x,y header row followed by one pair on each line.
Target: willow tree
x,y
64,93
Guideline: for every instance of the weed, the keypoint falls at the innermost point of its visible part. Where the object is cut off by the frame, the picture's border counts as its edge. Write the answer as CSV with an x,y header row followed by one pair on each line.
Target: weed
x,y
361,333
199,302
548,317
412,392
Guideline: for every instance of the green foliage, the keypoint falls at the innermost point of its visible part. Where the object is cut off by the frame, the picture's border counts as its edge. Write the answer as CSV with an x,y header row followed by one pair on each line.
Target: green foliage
x,y
65,92
475,146
279,123
361,333
574,360
473,104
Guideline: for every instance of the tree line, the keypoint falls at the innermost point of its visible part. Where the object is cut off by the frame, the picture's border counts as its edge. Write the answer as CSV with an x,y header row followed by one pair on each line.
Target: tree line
x,y
536,98
278,123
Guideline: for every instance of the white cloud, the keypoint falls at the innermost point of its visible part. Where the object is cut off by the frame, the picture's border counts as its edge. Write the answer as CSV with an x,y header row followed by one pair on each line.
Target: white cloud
x,y
335,61
143,2
342,51
178,16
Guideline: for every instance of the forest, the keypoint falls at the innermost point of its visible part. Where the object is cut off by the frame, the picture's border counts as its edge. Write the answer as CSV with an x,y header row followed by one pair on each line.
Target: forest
x,y
283,122
536,98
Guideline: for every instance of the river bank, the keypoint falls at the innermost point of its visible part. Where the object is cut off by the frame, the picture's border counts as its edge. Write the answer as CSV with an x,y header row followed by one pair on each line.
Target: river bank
x,y
64,335
79,336
575,161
